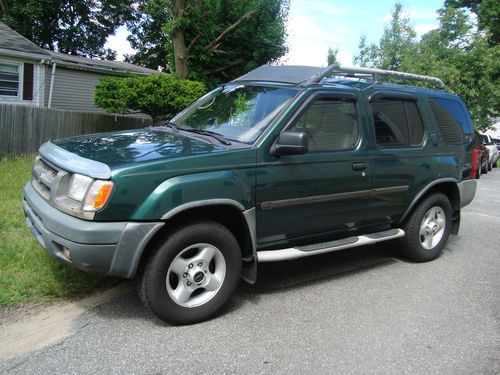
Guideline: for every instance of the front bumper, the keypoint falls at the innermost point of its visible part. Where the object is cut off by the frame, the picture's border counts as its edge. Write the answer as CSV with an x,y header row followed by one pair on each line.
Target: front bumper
x,y
113,248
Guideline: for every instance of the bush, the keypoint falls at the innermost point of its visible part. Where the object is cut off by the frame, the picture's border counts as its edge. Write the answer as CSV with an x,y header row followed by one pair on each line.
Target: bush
x,y
158,95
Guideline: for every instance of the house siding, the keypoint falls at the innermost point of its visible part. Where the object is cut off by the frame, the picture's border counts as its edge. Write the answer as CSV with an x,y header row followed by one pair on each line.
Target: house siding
x,y
73,89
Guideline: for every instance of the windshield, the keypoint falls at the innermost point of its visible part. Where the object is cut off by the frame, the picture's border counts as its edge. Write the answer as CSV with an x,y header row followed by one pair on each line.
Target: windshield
x,y
239,113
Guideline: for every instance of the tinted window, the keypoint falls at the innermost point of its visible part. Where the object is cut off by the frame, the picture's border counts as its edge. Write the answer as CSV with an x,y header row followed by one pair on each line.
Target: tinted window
x,y
397,123
450,129
457,111
330,124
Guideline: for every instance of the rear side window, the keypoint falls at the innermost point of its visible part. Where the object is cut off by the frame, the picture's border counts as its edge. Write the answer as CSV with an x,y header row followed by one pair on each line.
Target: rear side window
x,y
330,124
397,123
449,127
457,111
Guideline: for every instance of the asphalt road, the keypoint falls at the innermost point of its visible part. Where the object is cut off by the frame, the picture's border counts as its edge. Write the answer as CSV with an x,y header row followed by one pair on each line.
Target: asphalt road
x,y
358,311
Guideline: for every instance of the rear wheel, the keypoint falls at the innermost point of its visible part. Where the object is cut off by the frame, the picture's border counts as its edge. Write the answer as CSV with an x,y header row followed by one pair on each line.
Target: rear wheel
x,y
428,228
193,273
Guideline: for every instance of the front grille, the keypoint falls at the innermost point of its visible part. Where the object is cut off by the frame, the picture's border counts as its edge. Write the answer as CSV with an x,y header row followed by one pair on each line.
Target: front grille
x,y
44,177
48,168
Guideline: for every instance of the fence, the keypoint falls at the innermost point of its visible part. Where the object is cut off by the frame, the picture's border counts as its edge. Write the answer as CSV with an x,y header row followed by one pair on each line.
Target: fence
x,y
24,128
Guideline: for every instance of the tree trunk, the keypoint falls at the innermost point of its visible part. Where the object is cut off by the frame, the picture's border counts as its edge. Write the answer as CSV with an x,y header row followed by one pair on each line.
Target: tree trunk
x,y
180,49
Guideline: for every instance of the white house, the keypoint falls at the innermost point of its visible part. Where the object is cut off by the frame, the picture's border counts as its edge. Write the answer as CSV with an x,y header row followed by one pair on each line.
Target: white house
x,y
35,76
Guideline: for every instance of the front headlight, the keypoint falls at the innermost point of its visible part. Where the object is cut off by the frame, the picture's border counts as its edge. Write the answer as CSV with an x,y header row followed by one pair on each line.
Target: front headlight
x,y
78,186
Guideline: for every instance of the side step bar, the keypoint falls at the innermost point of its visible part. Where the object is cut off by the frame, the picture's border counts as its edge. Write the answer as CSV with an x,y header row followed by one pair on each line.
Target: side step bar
x,y
326,247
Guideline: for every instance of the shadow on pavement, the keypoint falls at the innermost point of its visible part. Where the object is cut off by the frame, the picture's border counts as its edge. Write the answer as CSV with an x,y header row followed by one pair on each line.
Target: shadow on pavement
x,y
273,278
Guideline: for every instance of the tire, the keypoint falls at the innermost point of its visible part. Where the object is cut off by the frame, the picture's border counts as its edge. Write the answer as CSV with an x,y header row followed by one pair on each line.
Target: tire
x,y
490,166
484,168
478,172
193,273
427,229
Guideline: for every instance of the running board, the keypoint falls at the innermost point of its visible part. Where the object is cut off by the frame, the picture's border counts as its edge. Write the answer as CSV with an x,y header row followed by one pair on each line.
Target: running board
x,y
326,247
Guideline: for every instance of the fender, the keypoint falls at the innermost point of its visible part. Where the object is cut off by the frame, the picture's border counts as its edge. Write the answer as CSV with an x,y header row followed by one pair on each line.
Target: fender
x,y
234,187
417,197
229,187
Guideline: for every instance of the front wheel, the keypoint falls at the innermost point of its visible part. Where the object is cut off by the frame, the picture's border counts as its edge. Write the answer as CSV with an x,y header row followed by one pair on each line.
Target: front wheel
x,y
193,273
428,228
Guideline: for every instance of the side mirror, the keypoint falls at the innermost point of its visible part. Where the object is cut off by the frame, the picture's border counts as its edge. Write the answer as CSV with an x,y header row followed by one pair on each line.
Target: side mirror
x,y
291,143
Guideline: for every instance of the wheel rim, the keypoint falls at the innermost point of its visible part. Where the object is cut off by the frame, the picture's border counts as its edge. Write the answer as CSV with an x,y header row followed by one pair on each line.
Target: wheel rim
x,y
196,275
432,227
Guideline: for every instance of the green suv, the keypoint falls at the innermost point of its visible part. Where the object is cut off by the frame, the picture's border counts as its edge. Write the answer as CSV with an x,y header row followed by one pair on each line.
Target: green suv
x,y
281,163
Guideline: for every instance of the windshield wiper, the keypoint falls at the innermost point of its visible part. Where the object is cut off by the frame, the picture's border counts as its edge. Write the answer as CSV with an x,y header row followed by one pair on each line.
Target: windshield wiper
x,y
171,125
215,135
176,129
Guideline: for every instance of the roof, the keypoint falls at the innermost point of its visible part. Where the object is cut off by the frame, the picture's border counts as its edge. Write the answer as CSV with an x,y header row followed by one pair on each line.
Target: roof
x,y
294,74
14,44
86,63
12,40
309,75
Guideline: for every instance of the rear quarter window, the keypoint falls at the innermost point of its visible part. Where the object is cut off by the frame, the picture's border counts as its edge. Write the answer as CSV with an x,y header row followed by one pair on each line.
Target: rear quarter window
x,y
397,123
446,117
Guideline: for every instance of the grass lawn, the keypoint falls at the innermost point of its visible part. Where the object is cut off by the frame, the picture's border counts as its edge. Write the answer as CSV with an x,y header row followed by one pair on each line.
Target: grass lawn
x,y
27,273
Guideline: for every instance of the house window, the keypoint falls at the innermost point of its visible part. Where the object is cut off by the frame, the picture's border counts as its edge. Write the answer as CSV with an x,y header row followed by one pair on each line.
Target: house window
x,y
9,80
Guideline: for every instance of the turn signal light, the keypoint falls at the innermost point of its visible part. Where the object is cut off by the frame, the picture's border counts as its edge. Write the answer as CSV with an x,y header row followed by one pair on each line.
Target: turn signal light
x,y
98,195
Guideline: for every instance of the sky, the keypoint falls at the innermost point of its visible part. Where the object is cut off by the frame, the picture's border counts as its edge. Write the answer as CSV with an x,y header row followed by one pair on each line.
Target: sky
x,y
316,25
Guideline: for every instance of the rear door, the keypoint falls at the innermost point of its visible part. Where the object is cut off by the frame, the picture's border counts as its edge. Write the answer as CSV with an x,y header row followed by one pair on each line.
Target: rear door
x,y
400,156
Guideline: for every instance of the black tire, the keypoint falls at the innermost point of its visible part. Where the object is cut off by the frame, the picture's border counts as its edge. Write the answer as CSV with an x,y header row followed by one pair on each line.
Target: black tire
x,y
158,293
478,172
490,166
484,168
412,246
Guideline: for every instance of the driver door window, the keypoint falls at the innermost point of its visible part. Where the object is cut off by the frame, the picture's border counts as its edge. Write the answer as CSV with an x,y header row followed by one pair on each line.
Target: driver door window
x,y
330,125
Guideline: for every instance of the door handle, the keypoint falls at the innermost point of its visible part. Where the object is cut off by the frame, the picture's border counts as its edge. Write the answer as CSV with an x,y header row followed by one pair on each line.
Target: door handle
x,y
359,166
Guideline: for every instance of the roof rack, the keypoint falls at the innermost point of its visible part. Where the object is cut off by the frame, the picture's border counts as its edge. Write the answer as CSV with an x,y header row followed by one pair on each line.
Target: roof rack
x,y
369,74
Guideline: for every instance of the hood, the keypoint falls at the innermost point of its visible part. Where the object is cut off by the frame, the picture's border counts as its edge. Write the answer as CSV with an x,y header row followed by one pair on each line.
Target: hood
x,y
136,146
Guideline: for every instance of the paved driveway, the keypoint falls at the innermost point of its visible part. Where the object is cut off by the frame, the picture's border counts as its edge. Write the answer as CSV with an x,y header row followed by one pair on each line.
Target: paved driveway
x,y
358,311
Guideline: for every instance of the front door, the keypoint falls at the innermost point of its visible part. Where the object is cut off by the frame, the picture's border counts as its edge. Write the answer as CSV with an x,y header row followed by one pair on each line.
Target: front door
x,y
323,191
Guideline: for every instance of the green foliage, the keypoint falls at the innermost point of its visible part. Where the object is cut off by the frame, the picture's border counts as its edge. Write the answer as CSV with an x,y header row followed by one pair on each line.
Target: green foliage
x,y
487,12
158,95
331,58
147,36
259,38
455,52
77,27
397,42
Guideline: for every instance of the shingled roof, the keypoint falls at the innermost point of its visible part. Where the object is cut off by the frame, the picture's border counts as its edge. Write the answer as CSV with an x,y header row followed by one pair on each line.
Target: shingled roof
x,y
14,44
13,41
84,62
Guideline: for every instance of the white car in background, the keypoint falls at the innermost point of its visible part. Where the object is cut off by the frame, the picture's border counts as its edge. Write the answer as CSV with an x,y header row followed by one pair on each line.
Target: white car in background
x,y
490,144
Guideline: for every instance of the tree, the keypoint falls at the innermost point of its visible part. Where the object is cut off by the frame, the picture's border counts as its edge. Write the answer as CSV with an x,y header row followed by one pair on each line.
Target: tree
x,y
487,12
158,95
212,40
397,42
331,58
455,52
147,34
77,27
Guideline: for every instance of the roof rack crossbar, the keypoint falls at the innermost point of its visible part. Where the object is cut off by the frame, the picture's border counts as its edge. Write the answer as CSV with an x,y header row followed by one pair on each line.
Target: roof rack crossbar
x,y
367,72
